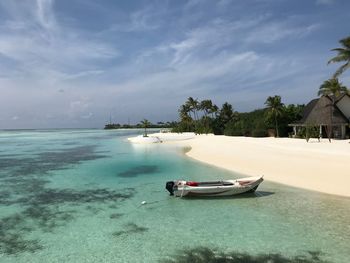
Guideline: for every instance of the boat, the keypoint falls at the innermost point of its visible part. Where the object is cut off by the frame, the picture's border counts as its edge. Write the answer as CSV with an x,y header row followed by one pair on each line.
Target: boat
x,y
183,188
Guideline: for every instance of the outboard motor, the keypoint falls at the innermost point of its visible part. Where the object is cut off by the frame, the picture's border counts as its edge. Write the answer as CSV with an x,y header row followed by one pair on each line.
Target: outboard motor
x,y
170,187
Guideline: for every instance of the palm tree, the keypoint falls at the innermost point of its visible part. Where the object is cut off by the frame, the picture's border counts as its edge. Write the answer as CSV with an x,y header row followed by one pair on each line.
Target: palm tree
x,y
333,89
275,109
184,112
205,106
226,114
185,116
194,106
343,56
214,109
145,123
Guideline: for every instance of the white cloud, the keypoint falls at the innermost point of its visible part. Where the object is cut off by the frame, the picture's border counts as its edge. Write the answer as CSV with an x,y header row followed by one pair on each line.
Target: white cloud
x,y
68,75
49,47
45,13
145,19
275,31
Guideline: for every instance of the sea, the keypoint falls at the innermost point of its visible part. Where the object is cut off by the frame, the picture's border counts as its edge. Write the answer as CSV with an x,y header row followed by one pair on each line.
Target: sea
x,y
92,196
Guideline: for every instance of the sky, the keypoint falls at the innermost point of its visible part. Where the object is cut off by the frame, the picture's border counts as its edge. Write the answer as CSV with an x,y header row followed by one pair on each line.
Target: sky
x,y
76,63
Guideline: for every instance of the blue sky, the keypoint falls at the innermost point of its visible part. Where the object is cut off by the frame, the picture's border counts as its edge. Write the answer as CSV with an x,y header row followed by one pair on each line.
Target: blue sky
x,y
72,63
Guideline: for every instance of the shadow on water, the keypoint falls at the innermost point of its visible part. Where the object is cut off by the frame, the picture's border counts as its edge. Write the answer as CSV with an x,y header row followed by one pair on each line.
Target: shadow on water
x,y
116,216
257,194
139,170
207,255
130,228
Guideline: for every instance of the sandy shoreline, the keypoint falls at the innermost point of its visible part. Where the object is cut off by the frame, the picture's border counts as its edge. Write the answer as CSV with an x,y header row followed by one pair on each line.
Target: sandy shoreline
x,y
319,166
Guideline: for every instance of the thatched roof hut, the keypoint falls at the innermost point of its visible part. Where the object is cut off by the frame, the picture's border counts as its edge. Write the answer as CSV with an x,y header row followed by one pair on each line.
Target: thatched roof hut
x,y
322,112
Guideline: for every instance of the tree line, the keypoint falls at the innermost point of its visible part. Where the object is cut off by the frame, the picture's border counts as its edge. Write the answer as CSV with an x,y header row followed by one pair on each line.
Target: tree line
x,y
206,117
332,87
203,117
140,125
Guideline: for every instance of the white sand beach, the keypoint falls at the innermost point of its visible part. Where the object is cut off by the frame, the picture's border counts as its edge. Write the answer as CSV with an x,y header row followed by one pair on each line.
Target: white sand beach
x,y
319,166
162,137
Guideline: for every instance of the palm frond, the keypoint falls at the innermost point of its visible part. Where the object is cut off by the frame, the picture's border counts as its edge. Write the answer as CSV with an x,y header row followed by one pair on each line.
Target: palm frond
x,y
338,49
339,58
341,69
345,42
343,56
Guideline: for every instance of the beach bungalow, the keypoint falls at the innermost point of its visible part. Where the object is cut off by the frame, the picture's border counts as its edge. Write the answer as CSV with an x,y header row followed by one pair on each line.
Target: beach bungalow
x,y
324,114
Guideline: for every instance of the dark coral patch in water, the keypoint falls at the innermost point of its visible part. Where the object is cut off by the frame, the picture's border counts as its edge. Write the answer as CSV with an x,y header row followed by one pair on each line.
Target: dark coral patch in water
x,y
47,218
11,238
7,161
207,255
19,186
58,196
94,209
43,212
43,162
115,216
14,228
130,228
5,197
23,180
139,170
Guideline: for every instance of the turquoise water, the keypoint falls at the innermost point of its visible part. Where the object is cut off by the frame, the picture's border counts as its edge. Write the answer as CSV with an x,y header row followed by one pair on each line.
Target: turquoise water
x,y
75,196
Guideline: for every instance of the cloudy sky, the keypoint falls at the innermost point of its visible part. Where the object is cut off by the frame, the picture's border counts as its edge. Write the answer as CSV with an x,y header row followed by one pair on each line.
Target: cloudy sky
x,y
72,63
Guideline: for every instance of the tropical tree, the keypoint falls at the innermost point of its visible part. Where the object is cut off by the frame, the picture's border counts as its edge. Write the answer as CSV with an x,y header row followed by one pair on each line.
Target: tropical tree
x,y
206,123
186,120
226,115
206,106
145,124
193,105
274,109
214,110
343,56
333,89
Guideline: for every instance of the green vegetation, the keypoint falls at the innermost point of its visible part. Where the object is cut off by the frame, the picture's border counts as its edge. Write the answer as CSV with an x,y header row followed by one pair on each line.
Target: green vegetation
x,y
343,56
332,88
158,125
145,124
274,110
204,117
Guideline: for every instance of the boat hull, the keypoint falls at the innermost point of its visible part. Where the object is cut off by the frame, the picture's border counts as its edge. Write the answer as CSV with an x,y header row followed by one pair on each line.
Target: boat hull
x,y
232,187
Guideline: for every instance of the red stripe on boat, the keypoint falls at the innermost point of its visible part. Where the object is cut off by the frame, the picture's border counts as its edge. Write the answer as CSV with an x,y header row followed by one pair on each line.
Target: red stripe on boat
x,y
190,183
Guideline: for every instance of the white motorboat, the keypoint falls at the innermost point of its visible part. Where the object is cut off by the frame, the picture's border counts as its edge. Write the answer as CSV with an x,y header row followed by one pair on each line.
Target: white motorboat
x,y
214,188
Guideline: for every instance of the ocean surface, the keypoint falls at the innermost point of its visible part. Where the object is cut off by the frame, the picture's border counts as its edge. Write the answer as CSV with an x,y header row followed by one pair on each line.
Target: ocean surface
x,y
75,196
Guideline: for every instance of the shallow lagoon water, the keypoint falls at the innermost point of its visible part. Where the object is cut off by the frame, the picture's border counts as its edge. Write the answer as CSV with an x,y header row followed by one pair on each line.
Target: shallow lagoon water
x,y
75,196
